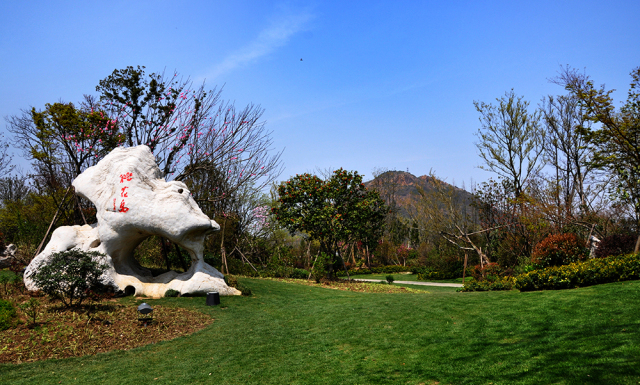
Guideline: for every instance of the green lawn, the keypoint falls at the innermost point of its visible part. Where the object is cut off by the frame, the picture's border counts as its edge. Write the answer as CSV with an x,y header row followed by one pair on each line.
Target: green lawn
x,y
294,334
402,277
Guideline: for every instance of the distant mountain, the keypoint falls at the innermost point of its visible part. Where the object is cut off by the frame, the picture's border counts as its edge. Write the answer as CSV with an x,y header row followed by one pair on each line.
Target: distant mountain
x,y
402,187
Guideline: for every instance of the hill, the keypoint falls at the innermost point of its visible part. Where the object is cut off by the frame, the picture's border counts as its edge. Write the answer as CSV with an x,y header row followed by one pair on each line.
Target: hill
x,y
402,188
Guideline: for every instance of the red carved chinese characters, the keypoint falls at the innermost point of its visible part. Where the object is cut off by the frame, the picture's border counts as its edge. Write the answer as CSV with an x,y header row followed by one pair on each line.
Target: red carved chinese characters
x,y
128,176
123,193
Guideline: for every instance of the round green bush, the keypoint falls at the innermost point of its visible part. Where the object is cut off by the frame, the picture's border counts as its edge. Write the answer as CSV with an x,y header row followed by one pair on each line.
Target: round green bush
x,y
70,275
300,274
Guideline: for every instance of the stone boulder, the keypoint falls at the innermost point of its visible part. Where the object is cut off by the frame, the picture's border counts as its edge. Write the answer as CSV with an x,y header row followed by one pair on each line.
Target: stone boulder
x,y
8,256
134,202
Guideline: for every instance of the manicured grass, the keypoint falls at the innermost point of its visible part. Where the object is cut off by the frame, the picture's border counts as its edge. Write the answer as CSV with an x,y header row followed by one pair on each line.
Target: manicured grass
x,y
402,277
294,334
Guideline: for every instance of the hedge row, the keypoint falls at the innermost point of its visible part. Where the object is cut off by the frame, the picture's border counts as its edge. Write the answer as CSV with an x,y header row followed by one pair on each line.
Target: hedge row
x,y
391,269
426,274
504,283
591,272
423,273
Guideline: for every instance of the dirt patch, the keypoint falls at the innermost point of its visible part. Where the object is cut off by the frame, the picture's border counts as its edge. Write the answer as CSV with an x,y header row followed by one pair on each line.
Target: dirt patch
x,y
61,333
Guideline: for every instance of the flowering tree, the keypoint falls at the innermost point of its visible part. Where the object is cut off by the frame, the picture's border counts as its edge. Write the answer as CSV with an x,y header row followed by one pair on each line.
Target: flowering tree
x,y
336,211
158,111
195,136
65,139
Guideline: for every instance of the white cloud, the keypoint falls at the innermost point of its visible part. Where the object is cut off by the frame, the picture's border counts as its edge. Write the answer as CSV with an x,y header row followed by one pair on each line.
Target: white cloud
x,y
269,39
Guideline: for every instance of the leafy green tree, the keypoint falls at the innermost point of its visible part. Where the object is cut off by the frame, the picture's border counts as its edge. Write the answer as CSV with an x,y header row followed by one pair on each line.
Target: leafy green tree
x,y
69,275
511,139
615,141
336,211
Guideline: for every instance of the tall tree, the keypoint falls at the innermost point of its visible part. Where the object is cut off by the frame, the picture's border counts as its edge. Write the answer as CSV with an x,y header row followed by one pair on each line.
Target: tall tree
x,y
616,140
567,152
510,139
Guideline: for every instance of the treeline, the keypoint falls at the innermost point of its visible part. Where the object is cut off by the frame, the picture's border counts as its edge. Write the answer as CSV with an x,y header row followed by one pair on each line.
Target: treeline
x,y
565,182
568,166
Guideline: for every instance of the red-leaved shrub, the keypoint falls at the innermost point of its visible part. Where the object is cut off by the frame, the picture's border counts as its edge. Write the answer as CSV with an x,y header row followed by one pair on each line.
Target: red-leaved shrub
x,y
558,250
490,272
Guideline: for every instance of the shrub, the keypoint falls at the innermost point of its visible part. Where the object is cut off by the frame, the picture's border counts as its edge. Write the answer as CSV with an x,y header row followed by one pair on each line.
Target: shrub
x,y
244,290
490,272
30,309
300,274
172,293
616,244
231,280
390,279
8,315
70,275
501,283
427,273
390,269
9,281
558,250
4,281
319,268
591,272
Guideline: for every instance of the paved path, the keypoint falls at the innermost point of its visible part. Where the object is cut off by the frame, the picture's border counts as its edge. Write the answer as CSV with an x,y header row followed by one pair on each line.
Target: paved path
x,y
420,283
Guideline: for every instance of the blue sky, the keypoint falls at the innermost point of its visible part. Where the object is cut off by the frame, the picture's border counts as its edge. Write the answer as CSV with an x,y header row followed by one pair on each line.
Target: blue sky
x,y
381,84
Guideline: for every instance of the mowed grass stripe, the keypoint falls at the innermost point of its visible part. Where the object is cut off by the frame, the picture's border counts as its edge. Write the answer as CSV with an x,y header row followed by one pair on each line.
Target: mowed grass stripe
x,y
288,333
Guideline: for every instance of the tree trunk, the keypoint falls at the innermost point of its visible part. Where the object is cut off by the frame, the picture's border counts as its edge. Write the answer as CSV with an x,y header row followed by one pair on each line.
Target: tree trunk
x,y
353,256
55,217
312,266
368,260
223,252
343,265
182,261
165,253
464,270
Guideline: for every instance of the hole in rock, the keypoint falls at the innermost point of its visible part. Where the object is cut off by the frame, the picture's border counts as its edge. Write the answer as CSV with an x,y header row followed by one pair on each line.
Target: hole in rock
x,y
152,255
95,243
129,291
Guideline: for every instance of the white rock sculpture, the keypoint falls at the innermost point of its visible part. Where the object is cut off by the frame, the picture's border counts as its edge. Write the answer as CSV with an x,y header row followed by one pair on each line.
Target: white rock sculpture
x,y
133,202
